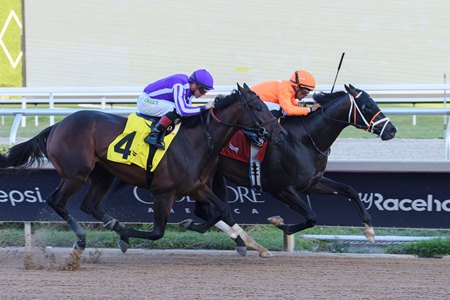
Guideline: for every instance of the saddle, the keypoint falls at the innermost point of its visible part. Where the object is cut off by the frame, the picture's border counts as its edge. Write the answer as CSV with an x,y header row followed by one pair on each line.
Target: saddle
x,y
249,148
129,147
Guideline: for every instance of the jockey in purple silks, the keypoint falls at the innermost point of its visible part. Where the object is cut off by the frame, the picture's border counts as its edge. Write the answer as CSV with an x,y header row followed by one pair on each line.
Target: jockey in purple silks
x,y
171,98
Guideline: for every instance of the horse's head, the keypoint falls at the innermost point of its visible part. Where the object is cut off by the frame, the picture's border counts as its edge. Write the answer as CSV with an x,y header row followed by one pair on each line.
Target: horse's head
x,y
257,117
365,113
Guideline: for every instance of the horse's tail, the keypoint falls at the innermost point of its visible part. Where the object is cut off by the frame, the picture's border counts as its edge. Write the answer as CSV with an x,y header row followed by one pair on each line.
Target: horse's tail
x,y
25,154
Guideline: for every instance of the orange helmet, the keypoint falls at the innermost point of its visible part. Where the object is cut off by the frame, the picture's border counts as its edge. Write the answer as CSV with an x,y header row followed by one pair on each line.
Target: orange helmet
x,y
303,79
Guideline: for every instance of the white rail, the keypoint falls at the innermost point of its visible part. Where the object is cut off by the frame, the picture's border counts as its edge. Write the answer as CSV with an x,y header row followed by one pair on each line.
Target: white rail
x,y
425,93
106,97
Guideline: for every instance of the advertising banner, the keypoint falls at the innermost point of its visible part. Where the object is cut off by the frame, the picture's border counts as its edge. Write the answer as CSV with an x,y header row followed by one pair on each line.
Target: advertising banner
x,y
414,200
11,43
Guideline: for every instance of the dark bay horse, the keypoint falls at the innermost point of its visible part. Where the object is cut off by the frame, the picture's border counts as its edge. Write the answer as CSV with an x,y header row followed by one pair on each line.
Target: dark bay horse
x,y
77,147
296,167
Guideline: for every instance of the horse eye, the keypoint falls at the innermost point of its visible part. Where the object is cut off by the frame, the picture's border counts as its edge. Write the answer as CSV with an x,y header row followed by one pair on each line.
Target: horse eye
x,y
367,108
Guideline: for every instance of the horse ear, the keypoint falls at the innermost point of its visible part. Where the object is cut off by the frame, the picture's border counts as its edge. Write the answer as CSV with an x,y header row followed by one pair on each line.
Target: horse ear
x,y
238,87
351,90
246,87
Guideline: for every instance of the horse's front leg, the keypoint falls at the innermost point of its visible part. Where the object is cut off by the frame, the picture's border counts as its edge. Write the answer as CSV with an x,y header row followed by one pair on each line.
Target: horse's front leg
x,y
326,186
220,215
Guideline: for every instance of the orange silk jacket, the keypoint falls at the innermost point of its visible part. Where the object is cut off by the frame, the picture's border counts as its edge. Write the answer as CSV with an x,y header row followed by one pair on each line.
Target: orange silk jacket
x,y
280,92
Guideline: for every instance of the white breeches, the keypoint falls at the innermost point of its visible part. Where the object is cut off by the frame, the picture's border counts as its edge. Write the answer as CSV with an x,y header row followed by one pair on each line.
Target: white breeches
x,y
272,106
153,107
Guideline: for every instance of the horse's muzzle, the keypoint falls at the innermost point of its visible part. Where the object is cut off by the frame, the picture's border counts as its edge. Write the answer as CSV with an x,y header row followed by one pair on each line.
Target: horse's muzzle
x,y
389,133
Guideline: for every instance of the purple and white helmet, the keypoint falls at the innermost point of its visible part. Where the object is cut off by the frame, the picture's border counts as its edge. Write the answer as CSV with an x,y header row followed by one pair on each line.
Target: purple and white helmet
x,y
203,79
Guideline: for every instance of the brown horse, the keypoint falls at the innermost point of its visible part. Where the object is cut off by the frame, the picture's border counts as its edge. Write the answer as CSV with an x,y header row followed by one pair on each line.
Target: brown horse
x,y
296,167
77,147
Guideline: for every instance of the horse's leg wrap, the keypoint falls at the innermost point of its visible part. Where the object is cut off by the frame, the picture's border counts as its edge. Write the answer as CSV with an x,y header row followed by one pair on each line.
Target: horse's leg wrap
x,y
236,231
232,232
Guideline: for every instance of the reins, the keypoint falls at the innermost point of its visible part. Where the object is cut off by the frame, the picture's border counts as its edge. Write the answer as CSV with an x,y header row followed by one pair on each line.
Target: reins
x,y
259,129
327,153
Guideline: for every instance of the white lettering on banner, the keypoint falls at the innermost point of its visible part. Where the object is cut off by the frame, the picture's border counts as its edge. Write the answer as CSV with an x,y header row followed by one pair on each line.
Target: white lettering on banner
x,y
429,204
239,194
15,196
242,194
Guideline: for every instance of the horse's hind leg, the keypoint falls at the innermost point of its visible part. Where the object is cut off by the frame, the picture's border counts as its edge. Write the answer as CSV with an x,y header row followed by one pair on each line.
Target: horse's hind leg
x,y
57,201
100,183
326,186
291,197
162,204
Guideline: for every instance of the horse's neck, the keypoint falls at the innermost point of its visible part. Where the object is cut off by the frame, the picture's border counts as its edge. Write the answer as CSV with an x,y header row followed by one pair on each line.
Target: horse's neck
x,y
212,136
221,134
324,127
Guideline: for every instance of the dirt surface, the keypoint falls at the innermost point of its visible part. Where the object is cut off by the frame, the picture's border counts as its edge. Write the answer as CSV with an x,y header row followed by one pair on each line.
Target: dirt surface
x,y
198,274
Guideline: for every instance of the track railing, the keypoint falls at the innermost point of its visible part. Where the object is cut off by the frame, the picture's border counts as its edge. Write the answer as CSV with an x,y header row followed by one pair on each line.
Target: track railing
x,y
107,97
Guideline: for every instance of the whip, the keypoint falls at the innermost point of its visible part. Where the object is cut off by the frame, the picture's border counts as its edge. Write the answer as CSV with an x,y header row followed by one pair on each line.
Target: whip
x,y
339,67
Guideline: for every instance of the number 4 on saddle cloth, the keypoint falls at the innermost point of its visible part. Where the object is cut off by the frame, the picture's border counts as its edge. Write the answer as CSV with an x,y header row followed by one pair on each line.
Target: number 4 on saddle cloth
x,y
245,148
129,147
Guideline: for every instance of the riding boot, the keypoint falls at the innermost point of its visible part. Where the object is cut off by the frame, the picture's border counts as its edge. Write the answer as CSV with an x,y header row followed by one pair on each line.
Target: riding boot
x,y
155,137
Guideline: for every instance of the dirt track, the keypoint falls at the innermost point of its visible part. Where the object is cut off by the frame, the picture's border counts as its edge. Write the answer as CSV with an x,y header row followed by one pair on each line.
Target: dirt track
x,y
162,274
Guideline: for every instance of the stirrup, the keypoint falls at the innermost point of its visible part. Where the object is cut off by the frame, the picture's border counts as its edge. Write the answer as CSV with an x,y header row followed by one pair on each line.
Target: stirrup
x,y
155,140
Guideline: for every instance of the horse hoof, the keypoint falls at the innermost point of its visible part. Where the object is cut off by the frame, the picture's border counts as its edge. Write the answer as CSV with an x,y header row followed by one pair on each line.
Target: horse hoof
x,y
276,220
370,238
123,245
242,251
186,223
79,245
265,254
369,233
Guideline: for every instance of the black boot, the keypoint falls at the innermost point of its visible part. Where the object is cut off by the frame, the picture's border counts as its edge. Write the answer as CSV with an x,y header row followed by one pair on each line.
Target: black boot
x,y
155,137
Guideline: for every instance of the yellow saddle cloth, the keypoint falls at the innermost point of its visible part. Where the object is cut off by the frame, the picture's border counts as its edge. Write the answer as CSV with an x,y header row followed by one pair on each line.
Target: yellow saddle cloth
x,y
129,147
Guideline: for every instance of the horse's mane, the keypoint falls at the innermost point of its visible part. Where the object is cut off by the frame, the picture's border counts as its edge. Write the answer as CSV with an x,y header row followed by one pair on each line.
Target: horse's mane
x,y
325,98
220,102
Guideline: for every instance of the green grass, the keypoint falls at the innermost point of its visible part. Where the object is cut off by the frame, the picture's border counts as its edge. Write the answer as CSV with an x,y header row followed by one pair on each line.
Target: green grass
x,y
10,76
433,248
59,235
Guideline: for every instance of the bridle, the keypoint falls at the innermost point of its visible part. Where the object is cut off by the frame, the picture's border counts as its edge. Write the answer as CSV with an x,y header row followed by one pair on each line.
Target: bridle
x,y
355,111
258,129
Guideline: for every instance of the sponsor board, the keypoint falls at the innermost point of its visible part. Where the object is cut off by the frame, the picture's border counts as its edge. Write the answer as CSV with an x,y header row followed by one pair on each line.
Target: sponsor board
x,y
393,199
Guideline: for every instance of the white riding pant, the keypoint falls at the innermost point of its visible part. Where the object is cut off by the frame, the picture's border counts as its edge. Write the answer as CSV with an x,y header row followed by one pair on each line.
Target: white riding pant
x,y
275,106
272,106
153,107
